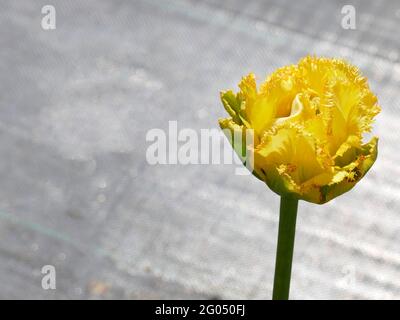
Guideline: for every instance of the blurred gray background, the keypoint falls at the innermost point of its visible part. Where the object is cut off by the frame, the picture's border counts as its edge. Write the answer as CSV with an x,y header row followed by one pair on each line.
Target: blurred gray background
x,y
76,191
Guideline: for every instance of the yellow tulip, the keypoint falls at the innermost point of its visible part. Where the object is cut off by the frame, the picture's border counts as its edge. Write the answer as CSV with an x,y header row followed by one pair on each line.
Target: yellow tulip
x,y
308,122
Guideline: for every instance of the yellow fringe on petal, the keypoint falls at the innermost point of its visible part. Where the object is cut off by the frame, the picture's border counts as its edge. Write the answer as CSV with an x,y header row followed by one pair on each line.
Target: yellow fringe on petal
x,y
308,121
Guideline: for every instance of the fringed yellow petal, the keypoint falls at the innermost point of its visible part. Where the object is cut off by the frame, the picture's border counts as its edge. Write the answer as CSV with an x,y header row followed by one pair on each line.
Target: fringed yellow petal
x,y
347,177
308,121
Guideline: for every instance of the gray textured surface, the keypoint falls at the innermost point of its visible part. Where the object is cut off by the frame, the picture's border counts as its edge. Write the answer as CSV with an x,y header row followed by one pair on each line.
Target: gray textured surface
x,y
76,191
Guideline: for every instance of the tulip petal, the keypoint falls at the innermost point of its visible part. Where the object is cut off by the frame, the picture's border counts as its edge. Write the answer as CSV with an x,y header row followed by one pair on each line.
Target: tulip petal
x,y
308,121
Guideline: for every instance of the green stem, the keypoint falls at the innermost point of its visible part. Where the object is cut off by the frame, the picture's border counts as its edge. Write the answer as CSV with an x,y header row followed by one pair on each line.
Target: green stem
x,y
284,251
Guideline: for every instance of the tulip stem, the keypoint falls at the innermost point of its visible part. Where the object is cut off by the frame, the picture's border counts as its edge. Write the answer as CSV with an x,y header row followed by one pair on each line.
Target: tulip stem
x,y
284,251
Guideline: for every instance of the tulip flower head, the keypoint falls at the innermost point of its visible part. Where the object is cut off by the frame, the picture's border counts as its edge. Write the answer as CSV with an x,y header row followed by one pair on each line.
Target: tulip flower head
x,y
307,122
